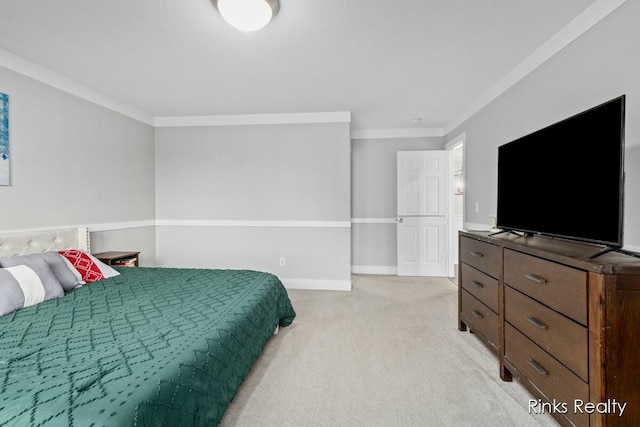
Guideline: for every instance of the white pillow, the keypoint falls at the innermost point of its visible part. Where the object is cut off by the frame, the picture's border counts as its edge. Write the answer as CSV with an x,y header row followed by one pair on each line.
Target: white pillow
x,y
107,270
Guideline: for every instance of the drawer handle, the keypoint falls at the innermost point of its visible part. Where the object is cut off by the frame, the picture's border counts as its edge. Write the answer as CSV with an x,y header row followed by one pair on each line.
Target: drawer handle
x,y
477,314
535,365
477,254
535,322
537,279
477,284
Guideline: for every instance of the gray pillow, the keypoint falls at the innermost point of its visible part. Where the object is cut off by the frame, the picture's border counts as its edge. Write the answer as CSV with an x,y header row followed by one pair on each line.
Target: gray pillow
x,y
68,277
26,285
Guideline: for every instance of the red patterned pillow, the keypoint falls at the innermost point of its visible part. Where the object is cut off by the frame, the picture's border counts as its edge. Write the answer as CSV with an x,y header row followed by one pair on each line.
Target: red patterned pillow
x,y
82,262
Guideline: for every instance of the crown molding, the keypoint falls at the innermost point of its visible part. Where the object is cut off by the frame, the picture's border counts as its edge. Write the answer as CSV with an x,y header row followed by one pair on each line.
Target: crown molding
x,y
456,141
570,32
49,77
574,29
396,133
254,119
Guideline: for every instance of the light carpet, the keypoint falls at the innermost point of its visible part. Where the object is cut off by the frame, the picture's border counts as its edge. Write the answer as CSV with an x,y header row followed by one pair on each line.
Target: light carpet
x,y
388,353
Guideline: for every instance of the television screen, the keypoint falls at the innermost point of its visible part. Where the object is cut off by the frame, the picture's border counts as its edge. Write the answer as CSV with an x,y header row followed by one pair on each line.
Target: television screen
x,y
567,180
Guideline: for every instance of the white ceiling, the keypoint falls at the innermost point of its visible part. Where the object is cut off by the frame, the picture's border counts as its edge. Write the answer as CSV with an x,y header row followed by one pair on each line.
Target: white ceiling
x,y
387,62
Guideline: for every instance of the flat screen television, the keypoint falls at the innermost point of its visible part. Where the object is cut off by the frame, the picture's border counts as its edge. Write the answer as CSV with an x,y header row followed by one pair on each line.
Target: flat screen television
x,y
567,180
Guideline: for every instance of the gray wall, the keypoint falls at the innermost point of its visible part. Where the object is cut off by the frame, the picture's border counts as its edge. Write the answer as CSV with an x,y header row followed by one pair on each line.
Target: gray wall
x,y
295,172
75,163
373,183
601,64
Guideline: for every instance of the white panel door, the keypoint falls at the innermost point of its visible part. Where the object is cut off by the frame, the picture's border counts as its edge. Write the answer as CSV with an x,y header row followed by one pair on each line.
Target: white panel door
x,y
422,183
421,213
421,240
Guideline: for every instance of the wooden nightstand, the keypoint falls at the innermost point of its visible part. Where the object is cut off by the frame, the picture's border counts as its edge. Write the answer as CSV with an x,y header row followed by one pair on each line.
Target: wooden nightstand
x,y
119,258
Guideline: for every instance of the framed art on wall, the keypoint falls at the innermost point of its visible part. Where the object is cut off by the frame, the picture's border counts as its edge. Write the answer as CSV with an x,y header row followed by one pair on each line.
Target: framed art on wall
x,y
4,139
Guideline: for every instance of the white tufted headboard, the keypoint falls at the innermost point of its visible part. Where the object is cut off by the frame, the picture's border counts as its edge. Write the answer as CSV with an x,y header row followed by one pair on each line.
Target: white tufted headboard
x,y
28,242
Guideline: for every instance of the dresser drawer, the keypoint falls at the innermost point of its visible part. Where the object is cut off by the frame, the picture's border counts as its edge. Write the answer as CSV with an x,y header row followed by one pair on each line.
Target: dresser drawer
x,y
560,336
481,318
553,379
480,285
481,255
560,287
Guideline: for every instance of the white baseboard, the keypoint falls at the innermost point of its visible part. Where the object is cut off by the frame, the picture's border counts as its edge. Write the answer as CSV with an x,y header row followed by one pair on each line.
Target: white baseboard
x,y
375,269
317,284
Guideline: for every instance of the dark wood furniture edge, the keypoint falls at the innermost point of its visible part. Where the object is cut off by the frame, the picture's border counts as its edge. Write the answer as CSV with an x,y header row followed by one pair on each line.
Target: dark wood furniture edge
x,y
465,323
537,394
505,373
462,326
613,296
554,249
620,348
472,329
109,256
597,345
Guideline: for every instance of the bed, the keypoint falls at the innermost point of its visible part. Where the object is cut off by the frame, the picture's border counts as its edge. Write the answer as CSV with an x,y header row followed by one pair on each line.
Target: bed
x,y
149,347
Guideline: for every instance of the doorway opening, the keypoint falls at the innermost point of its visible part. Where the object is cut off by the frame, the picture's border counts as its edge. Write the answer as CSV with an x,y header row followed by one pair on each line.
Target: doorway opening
x,y
455,149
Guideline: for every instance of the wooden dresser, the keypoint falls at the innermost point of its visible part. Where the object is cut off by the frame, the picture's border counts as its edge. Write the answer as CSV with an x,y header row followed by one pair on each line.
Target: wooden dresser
x,y
567,327
479,289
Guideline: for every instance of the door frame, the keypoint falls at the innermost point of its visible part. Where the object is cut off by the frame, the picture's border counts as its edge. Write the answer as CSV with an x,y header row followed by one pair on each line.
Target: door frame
x,y
452,232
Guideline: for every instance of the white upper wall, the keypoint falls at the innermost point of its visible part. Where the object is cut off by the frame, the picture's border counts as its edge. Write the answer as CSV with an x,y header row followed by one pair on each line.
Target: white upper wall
x,y
374,197
255,172
373,178
596,67
273,197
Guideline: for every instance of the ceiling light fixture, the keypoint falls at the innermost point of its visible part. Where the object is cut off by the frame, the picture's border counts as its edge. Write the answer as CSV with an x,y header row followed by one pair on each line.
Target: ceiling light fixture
x,y
248,15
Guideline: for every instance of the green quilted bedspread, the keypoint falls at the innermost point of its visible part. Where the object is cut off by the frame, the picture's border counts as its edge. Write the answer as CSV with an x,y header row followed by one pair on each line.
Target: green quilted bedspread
x,y
151,347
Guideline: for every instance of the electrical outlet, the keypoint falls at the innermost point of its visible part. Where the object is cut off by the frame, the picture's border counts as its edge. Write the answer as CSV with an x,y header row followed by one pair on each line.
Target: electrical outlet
x,y
282,261
477,206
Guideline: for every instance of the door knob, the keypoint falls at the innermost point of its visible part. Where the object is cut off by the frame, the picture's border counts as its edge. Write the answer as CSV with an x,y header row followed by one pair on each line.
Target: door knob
x,y
400,219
